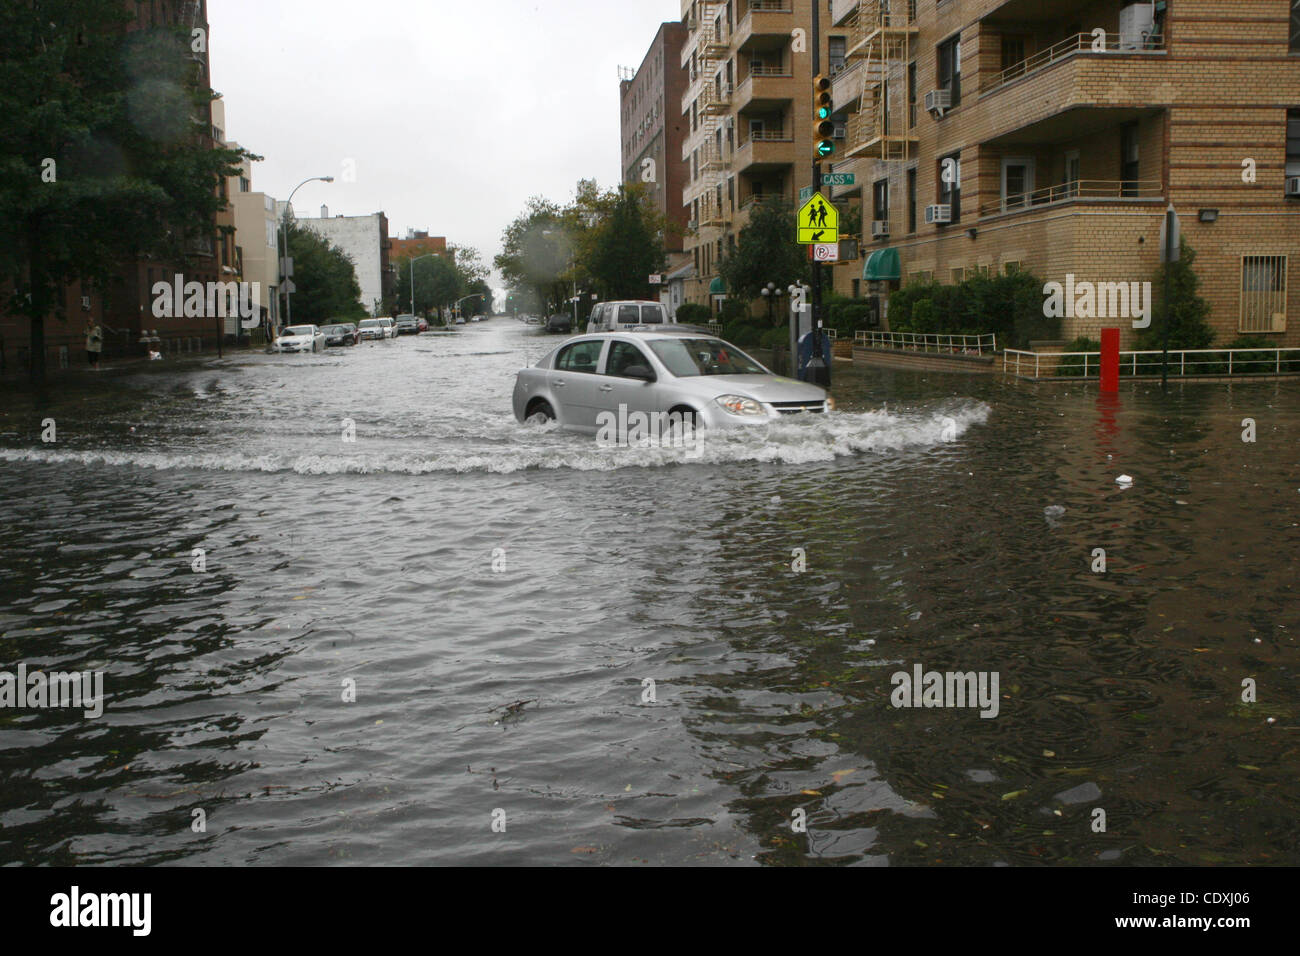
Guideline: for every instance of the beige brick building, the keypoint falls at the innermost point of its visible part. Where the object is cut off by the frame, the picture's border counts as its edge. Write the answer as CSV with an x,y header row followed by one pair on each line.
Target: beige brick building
x,y
1069,126
748,114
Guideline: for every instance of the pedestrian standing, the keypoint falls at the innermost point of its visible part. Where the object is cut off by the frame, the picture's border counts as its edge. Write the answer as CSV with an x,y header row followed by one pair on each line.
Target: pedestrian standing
x,y
94,342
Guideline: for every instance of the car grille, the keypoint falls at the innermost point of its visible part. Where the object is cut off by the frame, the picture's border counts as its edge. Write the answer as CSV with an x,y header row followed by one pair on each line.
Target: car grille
x,y
792,408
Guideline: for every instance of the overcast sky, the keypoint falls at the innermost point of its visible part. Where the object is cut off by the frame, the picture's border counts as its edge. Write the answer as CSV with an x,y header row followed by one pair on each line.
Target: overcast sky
x,y
454,112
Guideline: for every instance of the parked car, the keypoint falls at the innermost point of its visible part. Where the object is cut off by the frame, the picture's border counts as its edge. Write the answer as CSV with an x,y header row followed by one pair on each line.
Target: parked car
x,y
704,379
626,314
424,324
460,320
370,329
406,325
342,333
300,338
559,322
389,326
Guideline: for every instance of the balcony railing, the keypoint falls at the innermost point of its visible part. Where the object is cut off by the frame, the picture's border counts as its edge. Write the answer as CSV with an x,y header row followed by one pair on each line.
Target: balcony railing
x,y
1077,45
754,198
1074,191
770,71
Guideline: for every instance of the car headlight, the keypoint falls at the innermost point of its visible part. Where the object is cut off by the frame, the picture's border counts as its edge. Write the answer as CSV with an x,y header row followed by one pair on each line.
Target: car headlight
x,y
740,405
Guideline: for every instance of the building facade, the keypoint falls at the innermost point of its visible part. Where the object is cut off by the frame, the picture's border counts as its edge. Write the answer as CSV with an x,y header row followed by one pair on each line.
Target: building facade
x,y
257,246
1051,136
653,128
364,239
417,243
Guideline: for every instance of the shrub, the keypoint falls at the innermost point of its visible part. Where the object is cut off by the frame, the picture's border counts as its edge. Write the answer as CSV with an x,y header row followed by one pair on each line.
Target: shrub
x,y
692,313
733,310
775,337
1188,328
1217,363
744,334
1009,306
1073,364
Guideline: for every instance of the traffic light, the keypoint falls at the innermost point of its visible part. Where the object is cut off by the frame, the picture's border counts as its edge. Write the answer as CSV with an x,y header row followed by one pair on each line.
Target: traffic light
x,y
823,128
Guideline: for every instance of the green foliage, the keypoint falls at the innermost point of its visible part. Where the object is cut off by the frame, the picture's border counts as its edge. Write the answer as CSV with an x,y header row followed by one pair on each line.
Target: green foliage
x,y
325,278
692,313
117,114
1072,365
744,334
734,310
1263,364
1010,306
622,250
772,338
1188,312
765,252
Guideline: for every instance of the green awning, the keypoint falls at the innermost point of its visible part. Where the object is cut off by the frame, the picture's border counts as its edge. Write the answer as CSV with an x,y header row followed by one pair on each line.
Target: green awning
x,y
717,286
882,266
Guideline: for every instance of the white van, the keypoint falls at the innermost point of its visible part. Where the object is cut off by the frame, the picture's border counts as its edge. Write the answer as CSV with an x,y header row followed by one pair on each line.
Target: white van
x,y
626,314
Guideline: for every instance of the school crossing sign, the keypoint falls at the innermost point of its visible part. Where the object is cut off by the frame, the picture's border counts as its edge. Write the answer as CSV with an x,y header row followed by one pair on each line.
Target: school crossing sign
x,y
818,221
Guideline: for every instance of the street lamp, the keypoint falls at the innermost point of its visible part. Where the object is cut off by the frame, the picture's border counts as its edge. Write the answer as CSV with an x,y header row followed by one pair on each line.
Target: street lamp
x,y
472,295
284,232
771,292
427,255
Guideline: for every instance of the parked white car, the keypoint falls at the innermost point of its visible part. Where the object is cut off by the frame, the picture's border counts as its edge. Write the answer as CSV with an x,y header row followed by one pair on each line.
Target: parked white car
x,y
389,326
300,338
370,329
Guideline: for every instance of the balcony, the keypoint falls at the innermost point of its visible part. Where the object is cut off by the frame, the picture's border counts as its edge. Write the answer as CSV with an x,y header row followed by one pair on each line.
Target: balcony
x,y
767,23
1078,191
714,41
715,98
1080,45
766,150
754,198
766,88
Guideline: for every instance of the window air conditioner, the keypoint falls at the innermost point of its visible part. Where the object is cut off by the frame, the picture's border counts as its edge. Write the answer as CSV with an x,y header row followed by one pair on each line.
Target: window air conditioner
x,y
880,228
938,214
841,130
936,101
1293,185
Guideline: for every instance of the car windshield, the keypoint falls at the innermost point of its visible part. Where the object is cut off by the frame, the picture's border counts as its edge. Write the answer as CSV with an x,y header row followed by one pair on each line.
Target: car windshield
x,y
369,323
298,330
689,357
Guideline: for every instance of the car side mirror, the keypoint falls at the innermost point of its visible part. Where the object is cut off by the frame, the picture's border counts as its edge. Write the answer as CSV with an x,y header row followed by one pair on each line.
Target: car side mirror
x,y
642,372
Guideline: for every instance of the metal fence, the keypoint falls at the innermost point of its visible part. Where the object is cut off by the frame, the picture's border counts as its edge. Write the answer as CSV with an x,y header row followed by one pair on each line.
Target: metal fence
x,y
1182,363
985,344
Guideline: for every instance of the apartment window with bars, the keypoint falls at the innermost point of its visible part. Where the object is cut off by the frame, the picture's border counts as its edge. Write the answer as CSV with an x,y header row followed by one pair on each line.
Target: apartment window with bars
x,y
950,68
1263,294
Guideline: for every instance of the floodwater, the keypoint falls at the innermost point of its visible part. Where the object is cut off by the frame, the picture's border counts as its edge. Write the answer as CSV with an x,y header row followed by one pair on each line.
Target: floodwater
x,y
567,654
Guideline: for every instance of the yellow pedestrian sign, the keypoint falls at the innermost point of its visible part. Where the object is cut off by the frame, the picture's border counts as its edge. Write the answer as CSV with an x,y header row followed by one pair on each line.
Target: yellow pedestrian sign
x,y
818,221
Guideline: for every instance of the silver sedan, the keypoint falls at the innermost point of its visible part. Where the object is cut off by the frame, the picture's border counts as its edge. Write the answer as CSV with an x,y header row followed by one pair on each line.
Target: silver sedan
x,y
703,379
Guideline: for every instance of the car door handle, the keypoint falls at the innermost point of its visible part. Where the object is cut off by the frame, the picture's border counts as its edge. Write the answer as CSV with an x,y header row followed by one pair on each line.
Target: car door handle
x,y
607,388
559,384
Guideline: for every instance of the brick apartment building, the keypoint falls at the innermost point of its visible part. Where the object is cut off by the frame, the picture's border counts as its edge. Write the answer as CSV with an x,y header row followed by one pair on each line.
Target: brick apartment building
x,y
653,128
124,308
748,112
418,242
1067,127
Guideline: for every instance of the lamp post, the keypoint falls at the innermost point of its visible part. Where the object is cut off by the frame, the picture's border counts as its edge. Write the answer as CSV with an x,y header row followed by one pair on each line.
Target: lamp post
x,y
472,295
771,292
411,264
284,233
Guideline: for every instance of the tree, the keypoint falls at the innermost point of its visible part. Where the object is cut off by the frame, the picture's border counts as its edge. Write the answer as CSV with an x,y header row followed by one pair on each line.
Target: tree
x,y
101,160
535,253
324,277
624,247
1187,311
765,252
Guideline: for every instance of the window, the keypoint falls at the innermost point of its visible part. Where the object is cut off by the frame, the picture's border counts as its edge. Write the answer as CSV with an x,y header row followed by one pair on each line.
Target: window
x,y
1017,181
911,199
756,128
1293,142
911,94
857,288
950,183
1263,294
958,275
579,357
950,68
835,52
1070,177
1013,56
1011,266
880,200
622,355
1295,26
1128,159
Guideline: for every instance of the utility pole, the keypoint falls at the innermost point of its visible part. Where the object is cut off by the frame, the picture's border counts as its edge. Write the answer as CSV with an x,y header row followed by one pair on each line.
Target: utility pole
x,y
818,372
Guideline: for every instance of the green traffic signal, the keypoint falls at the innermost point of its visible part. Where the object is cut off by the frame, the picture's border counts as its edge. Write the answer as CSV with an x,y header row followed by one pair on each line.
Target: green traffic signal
x,y
825,148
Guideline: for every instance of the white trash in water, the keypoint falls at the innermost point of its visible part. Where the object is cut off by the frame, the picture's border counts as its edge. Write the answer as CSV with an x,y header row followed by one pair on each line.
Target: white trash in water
x,y
1053,511
1124,481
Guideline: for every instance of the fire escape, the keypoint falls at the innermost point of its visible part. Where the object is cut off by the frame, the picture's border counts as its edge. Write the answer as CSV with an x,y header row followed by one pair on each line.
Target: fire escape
x,y
882,37
714,104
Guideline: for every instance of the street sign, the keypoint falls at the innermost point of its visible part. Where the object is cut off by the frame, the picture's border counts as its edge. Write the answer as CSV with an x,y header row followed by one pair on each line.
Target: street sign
x,y
288,286
826,252
838,179
804,193
286,265
817,221
656,279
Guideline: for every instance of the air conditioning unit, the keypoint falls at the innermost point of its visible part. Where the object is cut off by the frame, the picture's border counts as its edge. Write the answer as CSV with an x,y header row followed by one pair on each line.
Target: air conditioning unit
x,y
1293,185
937,101
879,228
937,214
841,130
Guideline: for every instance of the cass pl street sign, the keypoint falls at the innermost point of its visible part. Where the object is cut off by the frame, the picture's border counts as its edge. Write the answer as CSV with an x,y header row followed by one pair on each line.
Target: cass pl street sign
x,y
817,221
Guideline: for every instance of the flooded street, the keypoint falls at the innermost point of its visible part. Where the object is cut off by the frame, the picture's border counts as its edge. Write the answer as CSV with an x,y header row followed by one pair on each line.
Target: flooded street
x,y
613,647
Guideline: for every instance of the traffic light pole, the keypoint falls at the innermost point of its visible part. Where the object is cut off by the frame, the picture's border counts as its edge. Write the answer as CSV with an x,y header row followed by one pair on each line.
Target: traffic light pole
x,y
818,371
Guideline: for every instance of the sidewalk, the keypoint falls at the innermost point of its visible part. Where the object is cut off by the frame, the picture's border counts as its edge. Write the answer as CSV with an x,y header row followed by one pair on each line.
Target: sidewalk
x,y
78,367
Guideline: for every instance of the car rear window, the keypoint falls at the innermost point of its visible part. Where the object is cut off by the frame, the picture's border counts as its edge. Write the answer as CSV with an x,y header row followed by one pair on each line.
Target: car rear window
x,y
651,314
